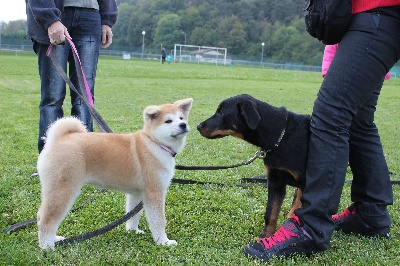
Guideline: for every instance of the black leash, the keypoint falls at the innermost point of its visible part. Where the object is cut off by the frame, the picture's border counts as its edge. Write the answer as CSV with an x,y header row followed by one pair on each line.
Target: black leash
x,y
246,182
24,224
102,230
259,155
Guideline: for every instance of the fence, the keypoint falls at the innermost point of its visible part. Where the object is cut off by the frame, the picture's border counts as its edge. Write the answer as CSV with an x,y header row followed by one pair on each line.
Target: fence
x,y
154,55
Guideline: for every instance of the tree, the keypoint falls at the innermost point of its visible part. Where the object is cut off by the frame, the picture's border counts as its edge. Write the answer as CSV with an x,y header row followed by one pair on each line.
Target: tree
x,y
202,36
190,19
168,31
281,45
14,27
121,29
232,35
14,32
284,10
140,20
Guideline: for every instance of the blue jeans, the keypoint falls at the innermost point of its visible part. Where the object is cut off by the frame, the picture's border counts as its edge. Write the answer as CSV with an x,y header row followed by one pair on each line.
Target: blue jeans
x,y
343,130
84,27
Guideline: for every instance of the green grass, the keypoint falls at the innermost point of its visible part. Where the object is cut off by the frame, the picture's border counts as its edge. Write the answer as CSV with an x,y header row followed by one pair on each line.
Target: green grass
x,y
212,224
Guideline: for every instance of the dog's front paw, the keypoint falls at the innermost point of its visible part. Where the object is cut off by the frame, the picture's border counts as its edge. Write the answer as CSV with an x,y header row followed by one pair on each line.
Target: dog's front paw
x,y
138,231
170,243
47,246
59,238
49,243
167,242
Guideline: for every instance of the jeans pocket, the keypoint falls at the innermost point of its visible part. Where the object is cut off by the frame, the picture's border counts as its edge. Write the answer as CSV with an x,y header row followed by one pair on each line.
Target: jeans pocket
x,y
365,22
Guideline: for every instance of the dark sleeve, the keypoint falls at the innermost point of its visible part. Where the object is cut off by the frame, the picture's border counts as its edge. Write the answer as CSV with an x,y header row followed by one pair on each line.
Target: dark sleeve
x,y
44,12
108,12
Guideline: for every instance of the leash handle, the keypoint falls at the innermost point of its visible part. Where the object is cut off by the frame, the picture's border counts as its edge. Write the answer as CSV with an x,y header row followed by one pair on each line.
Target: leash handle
x,y
89,95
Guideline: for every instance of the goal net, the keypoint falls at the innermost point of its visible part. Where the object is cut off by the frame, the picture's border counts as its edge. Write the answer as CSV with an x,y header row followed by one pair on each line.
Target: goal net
x,y
199,54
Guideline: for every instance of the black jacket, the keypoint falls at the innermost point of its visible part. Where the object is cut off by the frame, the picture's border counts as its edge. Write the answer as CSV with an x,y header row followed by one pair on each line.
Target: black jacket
x,y
42,13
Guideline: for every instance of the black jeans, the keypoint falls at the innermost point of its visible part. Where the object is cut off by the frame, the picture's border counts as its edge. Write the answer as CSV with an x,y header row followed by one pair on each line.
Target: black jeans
x,y
343,130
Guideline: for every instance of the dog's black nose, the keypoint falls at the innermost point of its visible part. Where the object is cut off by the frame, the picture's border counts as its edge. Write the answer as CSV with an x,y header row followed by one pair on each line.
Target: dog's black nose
x,y
199,126
182,125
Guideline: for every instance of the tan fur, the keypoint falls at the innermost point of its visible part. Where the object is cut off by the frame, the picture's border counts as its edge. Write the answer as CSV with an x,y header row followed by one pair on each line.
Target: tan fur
x,y
132,163
296,202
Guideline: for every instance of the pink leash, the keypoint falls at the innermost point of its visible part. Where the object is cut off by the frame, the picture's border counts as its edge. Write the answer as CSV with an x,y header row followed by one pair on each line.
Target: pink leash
x,y
88,93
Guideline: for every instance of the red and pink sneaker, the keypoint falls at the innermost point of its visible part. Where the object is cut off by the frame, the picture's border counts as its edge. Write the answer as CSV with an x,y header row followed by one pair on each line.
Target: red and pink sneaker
x,y
351,222
290,239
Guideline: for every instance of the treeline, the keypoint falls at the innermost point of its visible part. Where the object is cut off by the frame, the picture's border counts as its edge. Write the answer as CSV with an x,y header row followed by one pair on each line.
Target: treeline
x,y
238,25
14,32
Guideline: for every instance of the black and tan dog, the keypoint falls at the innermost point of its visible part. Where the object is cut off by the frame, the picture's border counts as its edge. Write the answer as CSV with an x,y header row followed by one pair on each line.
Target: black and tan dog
x,y
282,134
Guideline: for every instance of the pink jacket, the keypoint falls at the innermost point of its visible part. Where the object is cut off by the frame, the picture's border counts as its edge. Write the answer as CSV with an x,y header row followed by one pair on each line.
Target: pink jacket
x,y
329,53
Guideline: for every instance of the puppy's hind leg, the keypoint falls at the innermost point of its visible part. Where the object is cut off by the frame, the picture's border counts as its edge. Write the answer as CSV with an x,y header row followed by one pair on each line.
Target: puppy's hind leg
x,y
56,202
154,207
132,200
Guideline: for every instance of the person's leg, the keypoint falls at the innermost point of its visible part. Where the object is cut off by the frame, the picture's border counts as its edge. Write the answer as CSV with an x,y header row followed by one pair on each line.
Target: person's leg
x,y
52,88
371,190
366,53
85,29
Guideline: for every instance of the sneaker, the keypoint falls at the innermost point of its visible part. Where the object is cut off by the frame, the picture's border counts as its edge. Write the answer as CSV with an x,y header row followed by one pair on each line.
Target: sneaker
x,y
350,221
290,239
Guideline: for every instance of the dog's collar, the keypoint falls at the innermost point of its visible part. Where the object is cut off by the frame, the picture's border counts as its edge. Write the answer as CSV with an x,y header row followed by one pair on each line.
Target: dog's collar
x,y
167,149
279,140
163,147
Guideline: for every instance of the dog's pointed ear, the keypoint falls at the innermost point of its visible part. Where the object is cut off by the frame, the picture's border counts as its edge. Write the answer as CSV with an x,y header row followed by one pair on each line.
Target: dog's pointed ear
x,y
150,113
185,105
250,114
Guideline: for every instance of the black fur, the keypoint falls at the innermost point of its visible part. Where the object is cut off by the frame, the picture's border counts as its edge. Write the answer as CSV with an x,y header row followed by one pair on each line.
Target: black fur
x,y
283,134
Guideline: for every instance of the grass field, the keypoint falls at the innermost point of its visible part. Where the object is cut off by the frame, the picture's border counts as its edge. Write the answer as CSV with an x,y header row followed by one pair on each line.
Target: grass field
x,y
212,224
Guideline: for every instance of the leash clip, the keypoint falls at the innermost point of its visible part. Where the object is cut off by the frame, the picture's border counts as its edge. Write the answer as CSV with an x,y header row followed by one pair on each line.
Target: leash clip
x,y
261,154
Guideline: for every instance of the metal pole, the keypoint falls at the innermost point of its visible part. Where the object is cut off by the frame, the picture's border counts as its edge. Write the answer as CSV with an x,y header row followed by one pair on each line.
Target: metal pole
x,y
143,33
262,54
184,33
1,25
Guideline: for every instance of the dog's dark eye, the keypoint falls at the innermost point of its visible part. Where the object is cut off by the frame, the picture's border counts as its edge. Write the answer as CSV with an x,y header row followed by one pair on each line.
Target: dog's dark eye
x,y
181,118
168,121
219,111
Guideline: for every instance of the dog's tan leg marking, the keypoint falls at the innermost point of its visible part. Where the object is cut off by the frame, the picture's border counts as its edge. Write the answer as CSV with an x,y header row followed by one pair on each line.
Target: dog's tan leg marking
x,y
270,228
154,208
132,200
296,202
57,200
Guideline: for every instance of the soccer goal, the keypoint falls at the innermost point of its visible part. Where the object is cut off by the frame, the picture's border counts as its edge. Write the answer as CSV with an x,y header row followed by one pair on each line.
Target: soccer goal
x,y
199,54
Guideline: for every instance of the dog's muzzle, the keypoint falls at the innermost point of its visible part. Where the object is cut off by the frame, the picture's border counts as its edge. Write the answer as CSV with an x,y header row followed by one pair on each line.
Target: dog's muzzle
x,y
183,129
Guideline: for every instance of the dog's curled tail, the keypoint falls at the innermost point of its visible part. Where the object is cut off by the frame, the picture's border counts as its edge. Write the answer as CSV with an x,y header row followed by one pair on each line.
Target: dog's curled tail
x,y
62,126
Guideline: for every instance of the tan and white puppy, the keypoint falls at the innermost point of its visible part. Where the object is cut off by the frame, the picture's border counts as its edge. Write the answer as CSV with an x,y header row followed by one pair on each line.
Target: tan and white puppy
x,y
140,164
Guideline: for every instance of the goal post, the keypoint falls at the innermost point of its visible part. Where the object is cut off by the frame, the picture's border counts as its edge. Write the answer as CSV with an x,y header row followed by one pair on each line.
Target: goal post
x,y
199,54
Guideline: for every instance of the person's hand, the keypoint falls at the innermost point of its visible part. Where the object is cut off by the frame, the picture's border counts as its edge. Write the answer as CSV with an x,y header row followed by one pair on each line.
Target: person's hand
x,y
57,32
106,36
